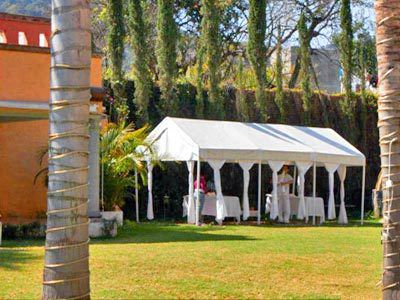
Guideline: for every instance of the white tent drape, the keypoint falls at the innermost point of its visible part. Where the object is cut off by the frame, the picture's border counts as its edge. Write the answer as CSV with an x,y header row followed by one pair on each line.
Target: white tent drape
x,y
303,168
246,179
150,213
216,165
342,213
275,166
331,168
294,180
191,211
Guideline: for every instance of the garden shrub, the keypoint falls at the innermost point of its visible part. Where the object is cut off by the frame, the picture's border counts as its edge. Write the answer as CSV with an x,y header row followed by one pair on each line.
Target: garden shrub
x,y
23,231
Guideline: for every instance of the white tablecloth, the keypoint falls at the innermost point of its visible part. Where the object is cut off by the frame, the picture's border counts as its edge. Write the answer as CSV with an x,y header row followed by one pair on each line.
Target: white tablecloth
x,y
319,207
294,204
210,207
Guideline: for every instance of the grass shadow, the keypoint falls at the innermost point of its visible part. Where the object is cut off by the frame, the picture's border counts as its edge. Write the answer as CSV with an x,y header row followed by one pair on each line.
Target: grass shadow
x,y
148,233
12,259
22,243
159,232
334,223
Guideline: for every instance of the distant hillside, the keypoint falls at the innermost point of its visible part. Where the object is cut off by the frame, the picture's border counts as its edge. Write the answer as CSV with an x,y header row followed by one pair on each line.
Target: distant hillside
x,y
38,8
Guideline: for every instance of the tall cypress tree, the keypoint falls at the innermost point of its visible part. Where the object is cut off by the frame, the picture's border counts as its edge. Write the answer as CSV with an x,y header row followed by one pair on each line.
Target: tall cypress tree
x,y
140,65
115,42
346,50
199,81
210,44
256,48
305,63
166,43
362,65
361,74
116,35
241,104
279,95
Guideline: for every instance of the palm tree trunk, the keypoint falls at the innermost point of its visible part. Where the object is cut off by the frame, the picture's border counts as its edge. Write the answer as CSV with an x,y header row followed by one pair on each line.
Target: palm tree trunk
x,y
66,270
388,51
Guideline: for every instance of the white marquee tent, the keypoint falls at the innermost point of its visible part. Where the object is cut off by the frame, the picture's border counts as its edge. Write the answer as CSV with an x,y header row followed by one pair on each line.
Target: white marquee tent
x,y
219,142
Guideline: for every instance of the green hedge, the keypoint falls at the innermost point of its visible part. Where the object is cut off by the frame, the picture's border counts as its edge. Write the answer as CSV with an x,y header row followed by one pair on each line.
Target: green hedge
x,y
23,231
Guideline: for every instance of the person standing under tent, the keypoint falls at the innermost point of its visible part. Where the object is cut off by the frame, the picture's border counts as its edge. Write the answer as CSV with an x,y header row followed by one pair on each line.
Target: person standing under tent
x,y
284,182
203,190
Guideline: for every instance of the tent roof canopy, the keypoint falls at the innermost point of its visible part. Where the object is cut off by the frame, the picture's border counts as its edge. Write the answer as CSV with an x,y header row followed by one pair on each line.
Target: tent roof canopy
x,y
176,139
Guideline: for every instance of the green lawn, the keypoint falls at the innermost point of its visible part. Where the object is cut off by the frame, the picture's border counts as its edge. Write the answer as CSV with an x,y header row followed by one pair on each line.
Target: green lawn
x,y
181,261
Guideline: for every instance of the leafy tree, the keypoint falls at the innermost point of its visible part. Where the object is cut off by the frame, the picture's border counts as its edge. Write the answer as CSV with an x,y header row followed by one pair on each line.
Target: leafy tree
x,y
140,64
305,63
256,48
166,46
321,14
115,41
199,82
346,50
232,24
241,104
116,35
210,47
362,70
279,95
365,53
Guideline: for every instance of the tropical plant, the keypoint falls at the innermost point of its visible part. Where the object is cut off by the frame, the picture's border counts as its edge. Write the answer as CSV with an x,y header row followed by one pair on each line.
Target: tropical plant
x,y
66,267
122,152
43,172
388,52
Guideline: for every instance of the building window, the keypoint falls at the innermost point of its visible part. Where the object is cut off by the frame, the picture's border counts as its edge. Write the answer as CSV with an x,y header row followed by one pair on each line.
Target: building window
x,y
22,38
3,38
43,41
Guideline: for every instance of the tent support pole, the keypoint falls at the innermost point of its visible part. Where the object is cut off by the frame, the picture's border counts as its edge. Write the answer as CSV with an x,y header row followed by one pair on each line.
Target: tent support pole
x,y
198,194
259,195
295,180
136,196
314,190
363,196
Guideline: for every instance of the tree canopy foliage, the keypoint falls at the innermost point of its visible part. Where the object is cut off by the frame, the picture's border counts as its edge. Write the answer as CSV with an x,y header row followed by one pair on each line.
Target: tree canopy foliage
x,y
201,42
346,46
166,52
140,65
256,47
